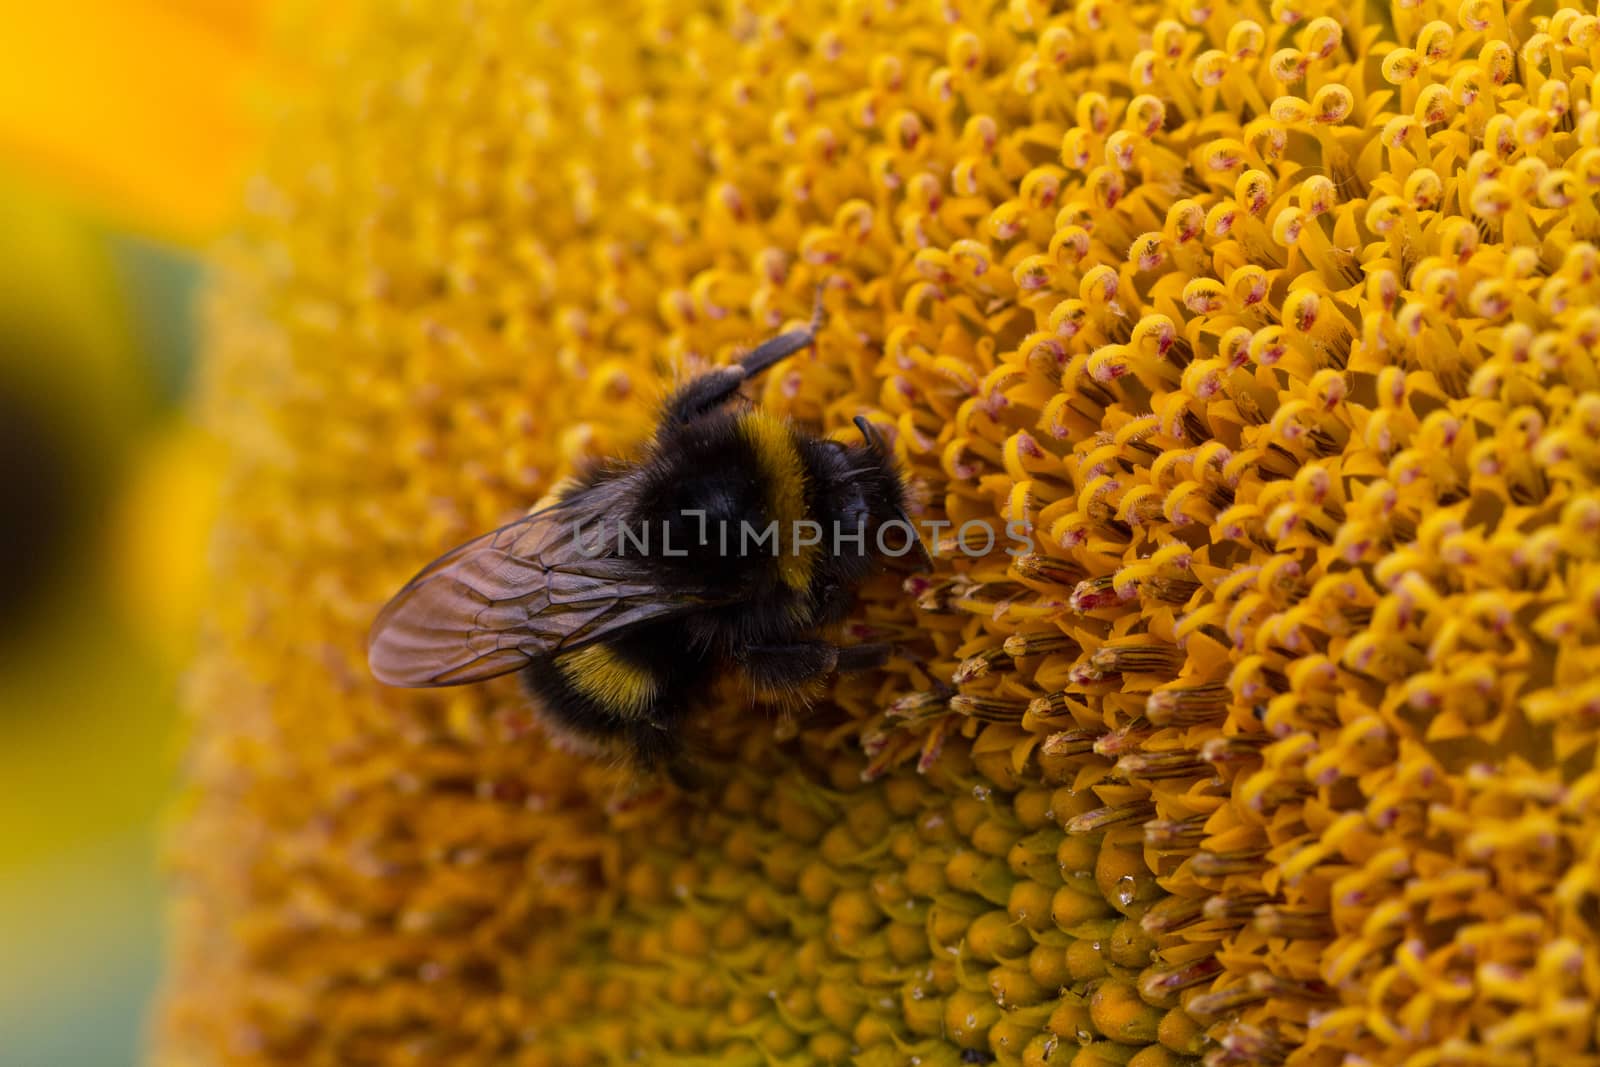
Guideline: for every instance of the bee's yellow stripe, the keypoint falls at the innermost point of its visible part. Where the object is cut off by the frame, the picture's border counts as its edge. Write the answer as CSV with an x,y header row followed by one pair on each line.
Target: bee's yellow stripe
x,y
773,443
605,677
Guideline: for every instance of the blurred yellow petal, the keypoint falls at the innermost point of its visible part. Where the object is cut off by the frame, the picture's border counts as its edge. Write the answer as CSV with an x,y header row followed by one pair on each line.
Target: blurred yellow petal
x,y
75,397
63,321
139,108
93,323
158,540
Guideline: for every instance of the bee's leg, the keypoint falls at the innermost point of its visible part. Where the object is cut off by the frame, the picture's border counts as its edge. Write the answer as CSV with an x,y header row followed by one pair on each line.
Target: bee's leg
x,y
778,668
835,600
653,746
714,388
781,669
863,657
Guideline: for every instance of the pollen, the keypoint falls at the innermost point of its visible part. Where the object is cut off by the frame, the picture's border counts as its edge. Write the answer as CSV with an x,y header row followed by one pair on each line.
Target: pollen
x,y
1271,738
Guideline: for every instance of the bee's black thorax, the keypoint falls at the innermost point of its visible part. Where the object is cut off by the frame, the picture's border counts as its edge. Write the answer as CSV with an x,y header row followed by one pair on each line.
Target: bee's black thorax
x,y
728,500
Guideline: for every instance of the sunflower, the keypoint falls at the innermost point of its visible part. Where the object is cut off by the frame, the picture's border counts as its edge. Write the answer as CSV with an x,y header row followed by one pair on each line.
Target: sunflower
x,y
1273,324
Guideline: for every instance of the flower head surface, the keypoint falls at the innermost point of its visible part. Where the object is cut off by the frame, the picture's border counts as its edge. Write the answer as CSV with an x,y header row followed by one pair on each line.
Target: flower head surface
x,y
1273,326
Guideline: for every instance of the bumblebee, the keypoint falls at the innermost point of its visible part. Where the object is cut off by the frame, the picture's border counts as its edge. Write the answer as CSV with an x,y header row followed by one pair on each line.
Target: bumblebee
x,y
731,543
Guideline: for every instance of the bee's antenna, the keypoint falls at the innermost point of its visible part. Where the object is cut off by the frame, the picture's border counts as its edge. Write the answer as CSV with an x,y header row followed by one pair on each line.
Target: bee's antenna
x,y
785,344
700,395
873,437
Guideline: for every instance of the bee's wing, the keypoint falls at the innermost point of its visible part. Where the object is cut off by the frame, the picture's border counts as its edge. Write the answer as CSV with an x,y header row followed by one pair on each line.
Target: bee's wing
x,y
528,588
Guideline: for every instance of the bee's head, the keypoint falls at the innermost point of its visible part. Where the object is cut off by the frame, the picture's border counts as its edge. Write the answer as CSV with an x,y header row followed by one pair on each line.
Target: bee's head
x,y
883,501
